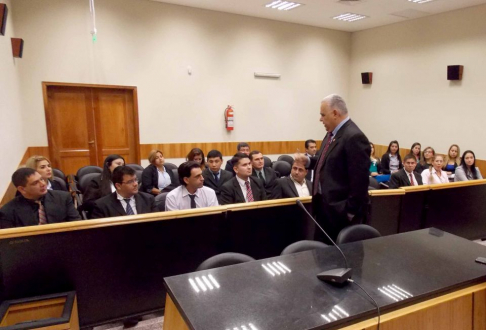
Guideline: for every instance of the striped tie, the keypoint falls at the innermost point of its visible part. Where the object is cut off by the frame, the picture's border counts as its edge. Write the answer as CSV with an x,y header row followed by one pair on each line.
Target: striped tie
x,y
42,214
249,193
129,209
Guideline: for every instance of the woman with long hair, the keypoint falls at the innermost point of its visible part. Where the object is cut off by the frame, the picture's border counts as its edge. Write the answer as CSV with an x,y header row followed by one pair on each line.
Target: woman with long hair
x,y
435,174
428,154
101,185
43,165
415,151
391,160
452,160
467,170
197,155
375,167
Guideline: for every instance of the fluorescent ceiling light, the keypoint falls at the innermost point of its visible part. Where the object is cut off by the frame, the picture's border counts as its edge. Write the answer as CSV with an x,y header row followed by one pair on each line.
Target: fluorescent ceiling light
x,y
283,5
420,1
349,17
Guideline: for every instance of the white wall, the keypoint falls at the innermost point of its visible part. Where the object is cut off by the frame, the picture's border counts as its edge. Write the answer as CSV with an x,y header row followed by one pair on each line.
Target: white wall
x,y
12,147
150,44
411,99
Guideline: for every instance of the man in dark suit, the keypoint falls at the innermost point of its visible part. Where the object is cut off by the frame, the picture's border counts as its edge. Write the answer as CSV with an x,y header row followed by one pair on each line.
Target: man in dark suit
x,y
310,151
214,176
296,185
243,188
243,148
36,205
266,174
126,200
406,176
341,172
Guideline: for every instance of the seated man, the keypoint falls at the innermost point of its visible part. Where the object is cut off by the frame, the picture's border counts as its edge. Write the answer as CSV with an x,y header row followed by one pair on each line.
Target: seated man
x,y
214,176
310,151
242,147
266,174
406,176
192,193
126,200
296,185
243,187
36,205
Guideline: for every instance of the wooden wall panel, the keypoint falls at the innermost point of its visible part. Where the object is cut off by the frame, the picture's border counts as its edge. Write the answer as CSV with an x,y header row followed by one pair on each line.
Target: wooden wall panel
x,y
479,316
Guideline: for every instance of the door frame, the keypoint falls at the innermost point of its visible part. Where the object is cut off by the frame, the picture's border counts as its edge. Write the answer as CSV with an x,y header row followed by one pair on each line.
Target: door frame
x,y
133,89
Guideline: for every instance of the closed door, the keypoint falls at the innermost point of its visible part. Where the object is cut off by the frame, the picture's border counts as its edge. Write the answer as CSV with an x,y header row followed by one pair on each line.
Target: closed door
x,y
86,123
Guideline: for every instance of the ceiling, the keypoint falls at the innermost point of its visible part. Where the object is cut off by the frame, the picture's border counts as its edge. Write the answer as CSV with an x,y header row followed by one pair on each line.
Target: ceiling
x,y
320,12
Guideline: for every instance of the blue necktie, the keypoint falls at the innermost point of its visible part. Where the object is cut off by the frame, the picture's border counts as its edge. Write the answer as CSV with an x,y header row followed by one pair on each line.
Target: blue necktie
x,y
216,177
129,209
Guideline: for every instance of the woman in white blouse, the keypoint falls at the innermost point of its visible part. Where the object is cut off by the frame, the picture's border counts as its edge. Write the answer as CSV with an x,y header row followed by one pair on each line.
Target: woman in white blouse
x,y
435,174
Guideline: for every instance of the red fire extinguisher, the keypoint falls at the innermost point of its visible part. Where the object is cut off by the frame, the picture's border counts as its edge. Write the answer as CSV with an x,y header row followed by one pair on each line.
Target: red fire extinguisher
x,y
229,118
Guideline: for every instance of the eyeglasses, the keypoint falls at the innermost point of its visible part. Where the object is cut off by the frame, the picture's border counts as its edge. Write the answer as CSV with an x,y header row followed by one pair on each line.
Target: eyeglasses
x,y
131,181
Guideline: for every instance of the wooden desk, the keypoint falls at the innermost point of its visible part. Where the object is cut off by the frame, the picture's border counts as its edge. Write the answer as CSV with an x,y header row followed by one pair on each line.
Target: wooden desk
x,y
444,289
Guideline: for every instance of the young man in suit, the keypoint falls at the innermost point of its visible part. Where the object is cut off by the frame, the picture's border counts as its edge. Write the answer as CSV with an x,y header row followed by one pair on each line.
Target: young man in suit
x,y
214,176
243,188
266,174
310,151
126,200
243,148
192,193
296,185
341,171
406,176
36,205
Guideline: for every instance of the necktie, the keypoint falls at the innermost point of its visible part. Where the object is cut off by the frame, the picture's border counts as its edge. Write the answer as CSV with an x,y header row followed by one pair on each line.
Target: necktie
x,y
129,209
260,175
216,177
193,201
249,193
411,179
317,170
42,214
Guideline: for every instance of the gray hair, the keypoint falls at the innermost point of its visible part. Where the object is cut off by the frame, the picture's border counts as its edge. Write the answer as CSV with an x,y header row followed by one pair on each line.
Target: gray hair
x,y
336,102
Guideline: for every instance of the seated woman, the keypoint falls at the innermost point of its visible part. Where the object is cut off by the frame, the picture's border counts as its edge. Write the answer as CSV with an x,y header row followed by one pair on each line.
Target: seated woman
x,y
415,150
101,185
196,155
375,167
42,165
435,174
391,160
155,177
467,170
452,159
428,155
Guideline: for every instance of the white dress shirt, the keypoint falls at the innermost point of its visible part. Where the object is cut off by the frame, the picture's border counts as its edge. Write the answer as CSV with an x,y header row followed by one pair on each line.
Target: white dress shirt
x,y
124,203
243,186
302,189
178,199
430,176
415,183
163,178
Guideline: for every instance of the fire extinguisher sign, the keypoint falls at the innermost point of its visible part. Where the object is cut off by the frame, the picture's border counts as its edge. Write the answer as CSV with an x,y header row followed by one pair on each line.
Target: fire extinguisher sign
x,y
229,117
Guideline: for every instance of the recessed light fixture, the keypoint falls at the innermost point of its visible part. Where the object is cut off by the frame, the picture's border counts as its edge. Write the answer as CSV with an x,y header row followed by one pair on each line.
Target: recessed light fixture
x,y
420,1
349,17
283,5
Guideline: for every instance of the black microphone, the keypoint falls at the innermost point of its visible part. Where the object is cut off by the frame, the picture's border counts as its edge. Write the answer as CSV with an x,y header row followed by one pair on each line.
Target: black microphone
x,y
337,275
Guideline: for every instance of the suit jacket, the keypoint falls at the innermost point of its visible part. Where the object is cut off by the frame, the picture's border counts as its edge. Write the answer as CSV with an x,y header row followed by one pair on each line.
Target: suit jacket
x,y
271,184
231,192
287,187
385,163
209,181
229,167
20,212
110,206
401,179
150,179
344,175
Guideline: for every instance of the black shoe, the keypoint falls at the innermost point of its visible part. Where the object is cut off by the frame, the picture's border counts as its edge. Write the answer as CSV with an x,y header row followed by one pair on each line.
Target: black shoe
x,y
131,322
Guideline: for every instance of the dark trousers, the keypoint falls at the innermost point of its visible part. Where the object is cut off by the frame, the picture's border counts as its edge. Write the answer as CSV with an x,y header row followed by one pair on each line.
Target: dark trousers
x,y
329,221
